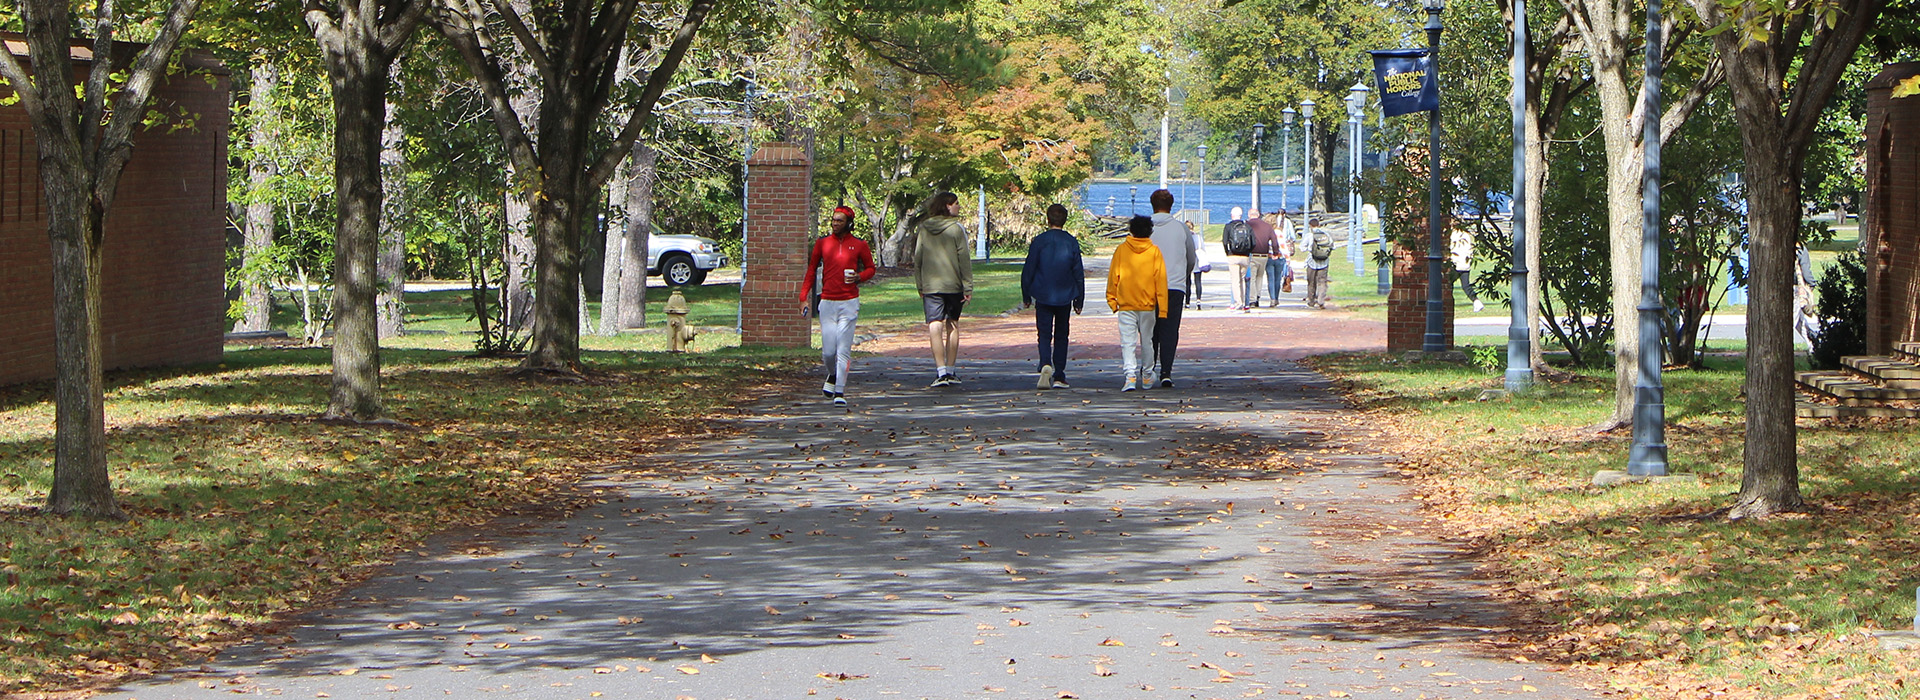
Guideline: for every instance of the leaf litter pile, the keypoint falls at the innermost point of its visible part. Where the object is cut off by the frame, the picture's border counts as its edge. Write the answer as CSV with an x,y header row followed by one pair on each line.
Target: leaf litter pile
x,y
243,508
1647,583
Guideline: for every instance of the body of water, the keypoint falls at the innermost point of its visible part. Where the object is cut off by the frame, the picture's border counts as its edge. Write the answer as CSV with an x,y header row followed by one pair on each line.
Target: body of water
x,y
1221,197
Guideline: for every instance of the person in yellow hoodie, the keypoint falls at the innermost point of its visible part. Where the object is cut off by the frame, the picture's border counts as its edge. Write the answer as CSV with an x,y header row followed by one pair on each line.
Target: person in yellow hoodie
x,y
1137,293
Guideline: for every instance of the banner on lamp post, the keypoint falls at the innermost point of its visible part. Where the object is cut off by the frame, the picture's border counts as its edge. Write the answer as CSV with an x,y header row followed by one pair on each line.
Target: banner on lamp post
x,y
1407,81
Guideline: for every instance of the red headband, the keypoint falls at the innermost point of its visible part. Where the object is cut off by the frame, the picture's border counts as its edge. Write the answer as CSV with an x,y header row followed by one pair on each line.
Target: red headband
x,y
844,210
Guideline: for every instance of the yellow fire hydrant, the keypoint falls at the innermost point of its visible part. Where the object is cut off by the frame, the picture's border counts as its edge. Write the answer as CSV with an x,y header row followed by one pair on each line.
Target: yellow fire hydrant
x,y
679,335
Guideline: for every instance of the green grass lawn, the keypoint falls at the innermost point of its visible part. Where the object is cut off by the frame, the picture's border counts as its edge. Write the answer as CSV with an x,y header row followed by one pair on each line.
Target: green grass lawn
x,y
1644,581
444,319
243,508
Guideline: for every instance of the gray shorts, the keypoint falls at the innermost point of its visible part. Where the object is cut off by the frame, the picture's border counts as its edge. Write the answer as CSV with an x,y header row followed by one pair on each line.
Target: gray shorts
x,y
942,307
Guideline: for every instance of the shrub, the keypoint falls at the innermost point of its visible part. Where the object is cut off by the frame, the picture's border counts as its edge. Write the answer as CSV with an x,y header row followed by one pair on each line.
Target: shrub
x,y
1843,312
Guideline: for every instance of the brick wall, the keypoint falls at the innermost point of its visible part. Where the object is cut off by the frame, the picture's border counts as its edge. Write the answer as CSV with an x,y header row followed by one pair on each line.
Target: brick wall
x,y
1407,300
779,186
1890,215
163,290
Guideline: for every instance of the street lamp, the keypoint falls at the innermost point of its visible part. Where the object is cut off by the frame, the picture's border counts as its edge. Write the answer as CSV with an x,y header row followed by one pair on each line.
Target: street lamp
x,y
1649,454
1436,337
1203,182
1133,200
1286,153
1306,165
1356,143
1183,179
1259,130
1519,335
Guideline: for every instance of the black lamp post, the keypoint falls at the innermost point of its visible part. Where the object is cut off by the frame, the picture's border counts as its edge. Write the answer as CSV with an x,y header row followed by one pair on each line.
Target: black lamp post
x,y
1183,178
1133,200
1202,149
1519,336
1259,131
1286,154
1649,454
1436,338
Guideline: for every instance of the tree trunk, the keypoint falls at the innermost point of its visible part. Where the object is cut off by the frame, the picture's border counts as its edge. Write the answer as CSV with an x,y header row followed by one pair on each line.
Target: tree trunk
x,y
643,172
81,484
613,251
256,296
556,227
1770,482
1536,196
391,302
516,290
359,108
1624,218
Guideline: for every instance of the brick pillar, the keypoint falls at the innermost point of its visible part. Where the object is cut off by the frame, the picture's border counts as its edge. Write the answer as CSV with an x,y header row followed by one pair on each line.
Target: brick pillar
x,y
1407,302
779,186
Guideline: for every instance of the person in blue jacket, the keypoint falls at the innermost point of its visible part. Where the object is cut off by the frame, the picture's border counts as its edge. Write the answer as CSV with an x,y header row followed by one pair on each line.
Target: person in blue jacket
x,y
1053,282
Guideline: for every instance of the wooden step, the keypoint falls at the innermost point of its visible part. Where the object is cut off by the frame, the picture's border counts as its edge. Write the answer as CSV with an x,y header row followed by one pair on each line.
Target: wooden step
x,y
1906,351
1851,389
1820,410
1885,370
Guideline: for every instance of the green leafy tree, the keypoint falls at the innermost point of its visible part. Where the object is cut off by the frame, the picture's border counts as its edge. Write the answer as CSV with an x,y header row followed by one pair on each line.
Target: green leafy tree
x,y
1259,57
84,132
1784,62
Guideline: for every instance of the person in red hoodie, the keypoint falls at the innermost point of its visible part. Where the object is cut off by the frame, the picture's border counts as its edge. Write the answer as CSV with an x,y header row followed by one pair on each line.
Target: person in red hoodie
x,y
842,262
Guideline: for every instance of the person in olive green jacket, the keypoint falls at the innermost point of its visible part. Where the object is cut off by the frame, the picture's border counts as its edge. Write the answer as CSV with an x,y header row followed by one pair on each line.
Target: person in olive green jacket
x,y
944,272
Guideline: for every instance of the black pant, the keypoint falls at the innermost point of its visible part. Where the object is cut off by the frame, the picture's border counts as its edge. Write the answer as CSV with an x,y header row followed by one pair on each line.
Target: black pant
x,y
1466,283
1166,332
1052,322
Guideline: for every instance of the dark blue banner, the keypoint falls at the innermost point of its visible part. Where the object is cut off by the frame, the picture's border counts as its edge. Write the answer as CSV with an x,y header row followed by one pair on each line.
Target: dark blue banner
x,y
1406,80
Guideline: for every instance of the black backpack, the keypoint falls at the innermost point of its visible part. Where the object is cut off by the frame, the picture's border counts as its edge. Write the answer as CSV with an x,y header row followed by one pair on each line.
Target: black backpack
x,y
1237,238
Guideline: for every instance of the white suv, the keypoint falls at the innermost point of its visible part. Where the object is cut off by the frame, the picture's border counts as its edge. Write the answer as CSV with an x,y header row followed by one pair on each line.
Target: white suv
x,y
682,259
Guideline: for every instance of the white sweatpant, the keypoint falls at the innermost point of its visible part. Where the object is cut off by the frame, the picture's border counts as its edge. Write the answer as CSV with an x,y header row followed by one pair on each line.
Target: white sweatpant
x,y
1136,340
836,339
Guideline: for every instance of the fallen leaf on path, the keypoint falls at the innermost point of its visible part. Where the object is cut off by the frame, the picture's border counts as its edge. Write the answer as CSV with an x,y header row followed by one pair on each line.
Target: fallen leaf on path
x,y
1100,670
1111,642
689,670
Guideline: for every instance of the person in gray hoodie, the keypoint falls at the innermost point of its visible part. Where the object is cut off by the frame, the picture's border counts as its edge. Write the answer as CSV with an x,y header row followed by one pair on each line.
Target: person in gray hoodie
x,y
944,273
1175,241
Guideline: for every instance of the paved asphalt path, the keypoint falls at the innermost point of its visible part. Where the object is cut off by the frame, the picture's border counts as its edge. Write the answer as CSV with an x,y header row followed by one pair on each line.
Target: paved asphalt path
x,y
991,541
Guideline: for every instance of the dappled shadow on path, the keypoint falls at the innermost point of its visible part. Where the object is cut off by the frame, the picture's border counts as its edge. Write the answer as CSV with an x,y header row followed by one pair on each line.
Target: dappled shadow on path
x,y
821,526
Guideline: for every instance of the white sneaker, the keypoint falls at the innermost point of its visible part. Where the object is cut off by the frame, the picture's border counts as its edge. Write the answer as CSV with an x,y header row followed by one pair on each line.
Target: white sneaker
x,y
1133,383
1046,378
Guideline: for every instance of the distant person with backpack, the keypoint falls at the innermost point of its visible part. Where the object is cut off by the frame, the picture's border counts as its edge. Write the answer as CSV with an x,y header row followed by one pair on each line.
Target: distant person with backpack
x,y
1175,240
943,270
842,262
1054,282
1236,238
1319,255
1138,295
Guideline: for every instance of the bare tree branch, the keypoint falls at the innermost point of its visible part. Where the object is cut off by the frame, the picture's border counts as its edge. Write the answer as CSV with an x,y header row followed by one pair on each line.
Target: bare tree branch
x,y
529,41
23,87
460,29
131,103
656,84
